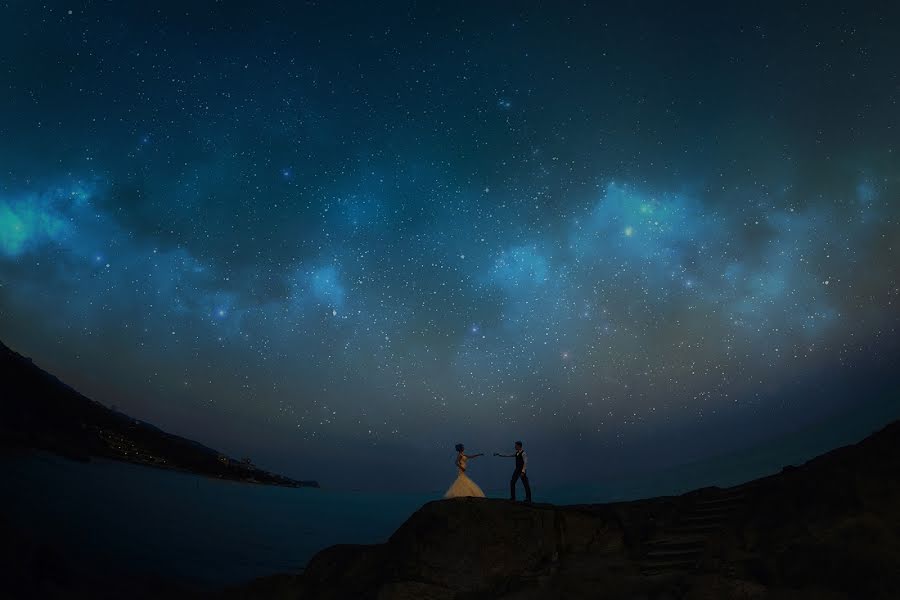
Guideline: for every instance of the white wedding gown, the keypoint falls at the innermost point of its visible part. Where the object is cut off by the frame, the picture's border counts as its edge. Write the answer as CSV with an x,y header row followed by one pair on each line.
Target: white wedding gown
x,y
463,486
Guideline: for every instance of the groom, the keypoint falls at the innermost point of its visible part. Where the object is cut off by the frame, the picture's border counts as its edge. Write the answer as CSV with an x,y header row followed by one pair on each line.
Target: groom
x,y
521,466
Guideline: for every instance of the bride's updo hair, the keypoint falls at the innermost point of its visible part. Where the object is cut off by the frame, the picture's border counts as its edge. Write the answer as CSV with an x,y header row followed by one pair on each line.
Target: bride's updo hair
x,y
459,447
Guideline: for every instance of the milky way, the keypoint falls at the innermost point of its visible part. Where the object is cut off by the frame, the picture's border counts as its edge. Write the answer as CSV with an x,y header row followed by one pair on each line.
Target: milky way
x,y
309,233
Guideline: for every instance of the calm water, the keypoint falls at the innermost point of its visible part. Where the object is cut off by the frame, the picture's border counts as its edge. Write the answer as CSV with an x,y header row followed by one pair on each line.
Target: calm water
x,y
217,532
193,528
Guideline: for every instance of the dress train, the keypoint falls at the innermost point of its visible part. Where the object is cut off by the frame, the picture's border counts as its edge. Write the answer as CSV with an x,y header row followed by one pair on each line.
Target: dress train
x,y
464,487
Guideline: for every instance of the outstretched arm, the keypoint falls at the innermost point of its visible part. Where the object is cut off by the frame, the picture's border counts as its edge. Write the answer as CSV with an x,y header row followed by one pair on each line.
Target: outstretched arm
x,y
474,455
504,455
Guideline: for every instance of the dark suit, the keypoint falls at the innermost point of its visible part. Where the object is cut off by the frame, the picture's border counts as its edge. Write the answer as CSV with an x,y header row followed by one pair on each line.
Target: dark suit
x,y
519,474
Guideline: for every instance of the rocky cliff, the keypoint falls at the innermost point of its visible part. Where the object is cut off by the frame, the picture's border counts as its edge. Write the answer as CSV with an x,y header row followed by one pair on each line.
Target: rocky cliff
x,y
827,529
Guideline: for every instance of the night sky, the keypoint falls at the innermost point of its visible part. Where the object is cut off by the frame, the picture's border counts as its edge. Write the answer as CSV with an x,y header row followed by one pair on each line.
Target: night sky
x,y
339,238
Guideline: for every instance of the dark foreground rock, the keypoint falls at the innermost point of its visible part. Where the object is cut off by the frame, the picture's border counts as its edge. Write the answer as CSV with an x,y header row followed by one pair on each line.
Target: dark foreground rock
x,y
827,530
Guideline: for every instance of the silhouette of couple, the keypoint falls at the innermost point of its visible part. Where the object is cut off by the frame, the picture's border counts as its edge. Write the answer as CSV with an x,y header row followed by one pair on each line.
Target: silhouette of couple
x,y
463,486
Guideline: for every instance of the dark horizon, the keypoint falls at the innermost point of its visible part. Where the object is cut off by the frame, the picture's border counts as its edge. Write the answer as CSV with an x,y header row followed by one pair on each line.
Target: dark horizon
x,y
713,463
341,239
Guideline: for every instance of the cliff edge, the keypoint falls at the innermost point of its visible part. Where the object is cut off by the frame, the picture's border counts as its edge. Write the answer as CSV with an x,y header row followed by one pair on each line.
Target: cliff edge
x,y
829,529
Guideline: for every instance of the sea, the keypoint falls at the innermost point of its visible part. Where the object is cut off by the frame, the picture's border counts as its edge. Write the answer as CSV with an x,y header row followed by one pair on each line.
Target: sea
x,y
186,527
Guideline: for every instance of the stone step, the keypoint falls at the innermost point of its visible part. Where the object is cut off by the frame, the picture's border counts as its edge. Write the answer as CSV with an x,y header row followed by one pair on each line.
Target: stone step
x,y
673,553
678,542
694,529
669,566
722,500
717,518
666,573
716,508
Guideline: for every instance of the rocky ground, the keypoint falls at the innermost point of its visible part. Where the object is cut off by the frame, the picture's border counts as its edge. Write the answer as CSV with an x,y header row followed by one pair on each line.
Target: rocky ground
x,y
827,530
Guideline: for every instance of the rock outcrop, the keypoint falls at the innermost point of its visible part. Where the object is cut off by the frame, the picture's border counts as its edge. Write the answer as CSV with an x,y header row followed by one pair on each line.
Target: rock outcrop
x,y
827,529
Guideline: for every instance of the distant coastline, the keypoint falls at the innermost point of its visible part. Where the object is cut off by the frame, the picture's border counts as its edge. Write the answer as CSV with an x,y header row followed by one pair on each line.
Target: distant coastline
x,y
40,412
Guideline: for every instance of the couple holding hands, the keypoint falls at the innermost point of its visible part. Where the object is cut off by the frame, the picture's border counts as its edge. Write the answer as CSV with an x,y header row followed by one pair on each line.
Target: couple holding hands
x,y
463,486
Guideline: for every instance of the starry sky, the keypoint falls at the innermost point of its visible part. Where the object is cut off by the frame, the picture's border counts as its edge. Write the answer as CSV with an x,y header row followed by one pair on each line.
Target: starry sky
x,y
339,237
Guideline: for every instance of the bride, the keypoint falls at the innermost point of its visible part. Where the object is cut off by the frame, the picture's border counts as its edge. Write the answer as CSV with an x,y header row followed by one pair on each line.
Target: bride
x,y
463,486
